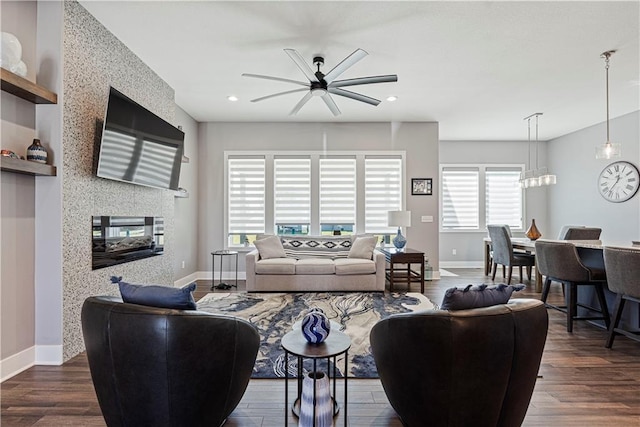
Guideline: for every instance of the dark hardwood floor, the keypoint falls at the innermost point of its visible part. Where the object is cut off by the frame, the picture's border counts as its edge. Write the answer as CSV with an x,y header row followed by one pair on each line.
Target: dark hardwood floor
x,y
582,383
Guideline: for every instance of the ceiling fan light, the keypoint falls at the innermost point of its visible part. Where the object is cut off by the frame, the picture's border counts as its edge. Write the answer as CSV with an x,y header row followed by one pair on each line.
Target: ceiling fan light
x,y
232,98
318,91
392,98
608,150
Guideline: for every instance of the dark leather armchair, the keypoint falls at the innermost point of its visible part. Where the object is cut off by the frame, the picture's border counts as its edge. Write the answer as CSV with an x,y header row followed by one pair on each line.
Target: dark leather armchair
x,y
161,367
462,368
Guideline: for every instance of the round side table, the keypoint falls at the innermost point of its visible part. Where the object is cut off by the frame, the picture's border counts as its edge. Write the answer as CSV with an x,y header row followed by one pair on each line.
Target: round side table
x,y
294,343
222,254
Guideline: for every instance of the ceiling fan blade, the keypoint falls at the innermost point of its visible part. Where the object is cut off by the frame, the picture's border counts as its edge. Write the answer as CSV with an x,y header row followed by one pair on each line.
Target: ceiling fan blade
x,y
331,104
304,67
278,94
278,79
299,105
347,62
353,95
364,80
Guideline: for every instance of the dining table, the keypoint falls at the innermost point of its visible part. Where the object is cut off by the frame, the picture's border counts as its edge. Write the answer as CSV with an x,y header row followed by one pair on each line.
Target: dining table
x,y
589,251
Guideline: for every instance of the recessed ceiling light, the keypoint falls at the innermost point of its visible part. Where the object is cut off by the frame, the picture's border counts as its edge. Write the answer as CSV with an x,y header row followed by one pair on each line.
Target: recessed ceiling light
x,y
232,98
392,98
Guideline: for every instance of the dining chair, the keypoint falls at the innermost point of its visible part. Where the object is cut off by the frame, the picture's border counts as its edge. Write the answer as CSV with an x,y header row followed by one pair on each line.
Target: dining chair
x,y
623,277
491,252
560,262
503,253
582,233
562,235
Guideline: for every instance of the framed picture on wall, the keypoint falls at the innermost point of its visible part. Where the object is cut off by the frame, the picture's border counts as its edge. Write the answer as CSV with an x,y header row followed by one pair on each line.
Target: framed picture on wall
x,y
421,186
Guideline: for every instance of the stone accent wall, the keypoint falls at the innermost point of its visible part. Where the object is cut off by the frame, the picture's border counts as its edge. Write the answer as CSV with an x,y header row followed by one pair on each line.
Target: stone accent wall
x,y
95,59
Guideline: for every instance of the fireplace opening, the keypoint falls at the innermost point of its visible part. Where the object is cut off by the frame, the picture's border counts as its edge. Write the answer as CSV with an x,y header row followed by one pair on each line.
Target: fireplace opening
x,y
121,239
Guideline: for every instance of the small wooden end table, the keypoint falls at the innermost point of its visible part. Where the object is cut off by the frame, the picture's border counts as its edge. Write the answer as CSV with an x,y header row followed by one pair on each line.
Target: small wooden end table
x,y
406,256
294,343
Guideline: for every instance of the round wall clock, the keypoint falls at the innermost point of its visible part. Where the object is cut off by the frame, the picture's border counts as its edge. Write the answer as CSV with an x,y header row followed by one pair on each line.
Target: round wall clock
x,y
619,181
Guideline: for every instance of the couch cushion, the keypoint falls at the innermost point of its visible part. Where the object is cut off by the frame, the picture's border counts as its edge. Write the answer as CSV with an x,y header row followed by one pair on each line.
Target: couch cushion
x,y
276,266
363,247
300,247
345,266
477,296
270,247
315,266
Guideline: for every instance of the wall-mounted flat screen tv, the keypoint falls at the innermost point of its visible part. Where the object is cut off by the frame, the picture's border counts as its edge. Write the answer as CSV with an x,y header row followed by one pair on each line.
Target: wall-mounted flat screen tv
x,y
137,146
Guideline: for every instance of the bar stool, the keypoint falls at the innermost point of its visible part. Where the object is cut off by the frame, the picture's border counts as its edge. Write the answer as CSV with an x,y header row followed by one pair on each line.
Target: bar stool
x,y
623,272
559,262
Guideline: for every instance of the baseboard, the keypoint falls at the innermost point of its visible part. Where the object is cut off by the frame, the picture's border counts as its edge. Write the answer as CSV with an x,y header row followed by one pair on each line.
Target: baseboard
x,y
226,275
185,280
461,264
49,355
17,363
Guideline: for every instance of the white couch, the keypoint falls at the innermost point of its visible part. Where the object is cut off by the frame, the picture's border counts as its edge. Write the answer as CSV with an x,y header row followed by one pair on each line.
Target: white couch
x,y
315,264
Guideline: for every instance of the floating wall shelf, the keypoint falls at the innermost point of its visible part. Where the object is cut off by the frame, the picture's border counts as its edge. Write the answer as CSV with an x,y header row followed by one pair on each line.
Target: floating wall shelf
x,y
26,167
25,89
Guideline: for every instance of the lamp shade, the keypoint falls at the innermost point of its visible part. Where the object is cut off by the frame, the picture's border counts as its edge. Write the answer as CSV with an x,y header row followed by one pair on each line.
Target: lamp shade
x,y
399,218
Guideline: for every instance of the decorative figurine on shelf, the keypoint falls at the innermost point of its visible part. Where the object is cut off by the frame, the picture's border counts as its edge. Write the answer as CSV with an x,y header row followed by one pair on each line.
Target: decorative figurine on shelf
x,y
36,152
315,326
9,153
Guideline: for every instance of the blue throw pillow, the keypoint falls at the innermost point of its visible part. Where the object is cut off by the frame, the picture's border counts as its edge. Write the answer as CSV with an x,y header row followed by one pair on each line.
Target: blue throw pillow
x,y
477,296
157,296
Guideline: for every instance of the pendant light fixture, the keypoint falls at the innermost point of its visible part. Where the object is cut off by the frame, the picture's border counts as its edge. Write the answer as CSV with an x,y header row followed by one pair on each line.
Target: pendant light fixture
x,y
608,150
539,176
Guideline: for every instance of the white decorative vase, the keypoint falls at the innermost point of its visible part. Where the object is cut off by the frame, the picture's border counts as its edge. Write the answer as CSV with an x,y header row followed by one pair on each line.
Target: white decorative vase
x,y
11,52
323,402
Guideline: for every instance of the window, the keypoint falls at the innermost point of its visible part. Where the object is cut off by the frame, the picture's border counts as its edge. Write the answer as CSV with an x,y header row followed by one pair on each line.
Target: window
x,y
246,199
475,195
503,202
337,195
292,195
382,193
460,207
311,193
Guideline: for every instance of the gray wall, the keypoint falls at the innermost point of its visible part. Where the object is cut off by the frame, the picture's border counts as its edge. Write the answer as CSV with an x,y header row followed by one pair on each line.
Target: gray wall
x,y
17,197
419,140
575,199
186,209
468,245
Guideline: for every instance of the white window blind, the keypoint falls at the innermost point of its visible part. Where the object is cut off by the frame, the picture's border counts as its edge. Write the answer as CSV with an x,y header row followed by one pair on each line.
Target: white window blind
x,y
246,193
383,192
337,190
292,190
503,197
460,200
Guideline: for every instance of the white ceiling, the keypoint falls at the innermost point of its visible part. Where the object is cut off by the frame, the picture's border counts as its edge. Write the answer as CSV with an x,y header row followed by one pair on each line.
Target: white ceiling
x,y
478,68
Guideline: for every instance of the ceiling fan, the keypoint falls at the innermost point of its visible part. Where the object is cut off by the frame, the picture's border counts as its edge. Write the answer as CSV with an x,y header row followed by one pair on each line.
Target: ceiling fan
x,y
323,85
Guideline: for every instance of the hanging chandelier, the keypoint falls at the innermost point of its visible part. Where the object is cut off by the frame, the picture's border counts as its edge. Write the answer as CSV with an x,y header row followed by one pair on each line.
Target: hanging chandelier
x,y
537,177
608,150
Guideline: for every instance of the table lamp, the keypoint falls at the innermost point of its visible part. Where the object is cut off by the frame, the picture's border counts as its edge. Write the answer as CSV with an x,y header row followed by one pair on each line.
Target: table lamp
x,y
399,219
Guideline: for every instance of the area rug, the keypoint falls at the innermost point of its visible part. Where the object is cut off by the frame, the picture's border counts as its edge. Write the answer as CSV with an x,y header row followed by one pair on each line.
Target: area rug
x,y
275,313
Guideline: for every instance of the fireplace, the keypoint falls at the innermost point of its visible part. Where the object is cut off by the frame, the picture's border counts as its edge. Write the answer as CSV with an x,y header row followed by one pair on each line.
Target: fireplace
x,y
120,239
